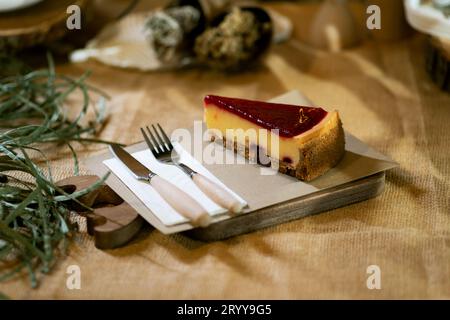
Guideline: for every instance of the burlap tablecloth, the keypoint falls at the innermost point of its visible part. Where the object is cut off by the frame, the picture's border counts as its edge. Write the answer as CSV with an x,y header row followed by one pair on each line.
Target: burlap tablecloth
x,y
384,97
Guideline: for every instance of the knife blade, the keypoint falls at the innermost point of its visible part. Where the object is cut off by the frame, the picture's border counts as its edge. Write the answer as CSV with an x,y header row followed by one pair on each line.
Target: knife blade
x,y
179,200
137,169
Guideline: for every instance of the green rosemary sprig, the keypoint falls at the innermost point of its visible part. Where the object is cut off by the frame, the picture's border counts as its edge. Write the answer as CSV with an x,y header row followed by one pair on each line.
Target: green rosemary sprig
x,y
34,111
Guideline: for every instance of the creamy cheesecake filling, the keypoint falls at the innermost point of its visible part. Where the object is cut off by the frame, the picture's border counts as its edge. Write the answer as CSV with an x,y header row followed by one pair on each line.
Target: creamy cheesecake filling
x,y
236,128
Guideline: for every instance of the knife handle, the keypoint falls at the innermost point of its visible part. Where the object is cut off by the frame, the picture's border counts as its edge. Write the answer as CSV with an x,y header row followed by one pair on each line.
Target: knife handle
x,y
217,193
183,203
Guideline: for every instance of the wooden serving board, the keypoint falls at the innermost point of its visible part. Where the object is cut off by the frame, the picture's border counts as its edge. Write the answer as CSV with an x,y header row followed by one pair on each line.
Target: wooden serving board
x,y
40,23
315,203
272,199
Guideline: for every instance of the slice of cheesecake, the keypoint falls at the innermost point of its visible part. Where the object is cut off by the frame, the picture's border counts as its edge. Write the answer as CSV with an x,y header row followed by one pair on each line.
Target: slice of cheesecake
x,y
310,140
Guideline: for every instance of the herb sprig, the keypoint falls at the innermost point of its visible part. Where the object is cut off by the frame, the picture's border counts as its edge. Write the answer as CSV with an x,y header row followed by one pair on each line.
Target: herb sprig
x,y
35,112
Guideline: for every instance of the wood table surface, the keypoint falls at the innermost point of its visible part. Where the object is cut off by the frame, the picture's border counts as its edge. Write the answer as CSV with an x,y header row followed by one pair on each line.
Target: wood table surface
x,y
384,97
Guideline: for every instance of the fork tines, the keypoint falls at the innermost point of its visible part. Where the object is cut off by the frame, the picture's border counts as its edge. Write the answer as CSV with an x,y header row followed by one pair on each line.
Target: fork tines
x,y
158,142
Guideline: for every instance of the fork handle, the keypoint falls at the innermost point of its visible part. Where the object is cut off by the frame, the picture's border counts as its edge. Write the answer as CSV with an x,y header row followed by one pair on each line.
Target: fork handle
x,y
217,193
183,203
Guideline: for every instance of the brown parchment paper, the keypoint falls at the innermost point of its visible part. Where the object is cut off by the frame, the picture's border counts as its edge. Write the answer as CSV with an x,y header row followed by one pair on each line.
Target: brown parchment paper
x,y
384,97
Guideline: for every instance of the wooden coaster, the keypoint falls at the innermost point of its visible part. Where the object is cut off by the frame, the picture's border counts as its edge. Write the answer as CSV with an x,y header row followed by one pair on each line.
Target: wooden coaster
x,y
438,62
113,223
41,23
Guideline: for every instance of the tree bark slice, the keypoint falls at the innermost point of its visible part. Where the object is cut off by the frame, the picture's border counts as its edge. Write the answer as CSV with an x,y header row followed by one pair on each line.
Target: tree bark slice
x,y
41,23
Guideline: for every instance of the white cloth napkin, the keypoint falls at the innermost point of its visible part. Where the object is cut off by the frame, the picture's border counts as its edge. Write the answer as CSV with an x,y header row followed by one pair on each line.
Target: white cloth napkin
x,y
151,198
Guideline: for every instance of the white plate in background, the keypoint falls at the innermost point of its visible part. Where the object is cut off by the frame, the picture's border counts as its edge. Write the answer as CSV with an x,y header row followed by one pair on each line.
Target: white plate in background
x,y
11,5
427,19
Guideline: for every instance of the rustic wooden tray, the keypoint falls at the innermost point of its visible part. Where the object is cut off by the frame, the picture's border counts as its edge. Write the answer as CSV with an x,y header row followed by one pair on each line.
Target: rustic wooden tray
x,y
40,23
318,202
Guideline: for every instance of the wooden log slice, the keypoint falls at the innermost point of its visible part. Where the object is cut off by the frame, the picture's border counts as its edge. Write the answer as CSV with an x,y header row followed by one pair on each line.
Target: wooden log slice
x,y
41,23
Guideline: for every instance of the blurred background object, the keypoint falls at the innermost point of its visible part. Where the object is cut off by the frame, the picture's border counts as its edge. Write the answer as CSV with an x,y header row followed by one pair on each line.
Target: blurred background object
x,y
429,16
172,31
41,22
238,38
334,27
432,17
438,62
113,30
393,22
8,5
213,33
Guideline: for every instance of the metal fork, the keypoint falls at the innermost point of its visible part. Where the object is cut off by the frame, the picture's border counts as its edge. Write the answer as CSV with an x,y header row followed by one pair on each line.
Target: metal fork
x,y
163,150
